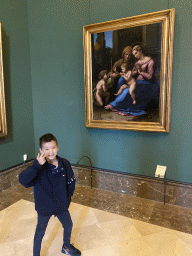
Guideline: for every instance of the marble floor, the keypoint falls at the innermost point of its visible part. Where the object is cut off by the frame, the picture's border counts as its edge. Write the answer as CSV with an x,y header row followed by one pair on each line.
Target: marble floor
x,y
105,223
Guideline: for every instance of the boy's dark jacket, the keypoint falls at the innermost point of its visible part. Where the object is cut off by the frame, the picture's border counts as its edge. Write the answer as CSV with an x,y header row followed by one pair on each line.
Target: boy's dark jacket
x,y
53,187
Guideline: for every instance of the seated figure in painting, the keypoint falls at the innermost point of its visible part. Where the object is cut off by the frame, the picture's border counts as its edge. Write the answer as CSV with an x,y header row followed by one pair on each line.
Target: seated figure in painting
x,y
147,89
145,67
127,57
130,82
102,93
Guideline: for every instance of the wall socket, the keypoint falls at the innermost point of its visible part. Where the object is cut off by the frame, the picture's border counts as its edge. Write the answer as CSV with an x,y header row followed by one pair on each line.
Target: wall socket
x,y
24,157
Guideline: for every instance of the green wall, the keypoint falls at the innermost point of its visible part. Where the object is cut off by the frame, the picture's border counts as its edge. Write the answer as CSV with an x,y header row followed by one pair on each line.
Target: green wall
x,y
18,86
56,47
57,75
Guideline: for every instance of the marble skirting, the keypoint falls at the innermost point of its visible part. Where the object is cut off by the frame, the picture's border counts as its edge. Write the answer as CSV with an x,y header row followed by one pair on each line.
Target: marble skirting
x,y
176,193
9,177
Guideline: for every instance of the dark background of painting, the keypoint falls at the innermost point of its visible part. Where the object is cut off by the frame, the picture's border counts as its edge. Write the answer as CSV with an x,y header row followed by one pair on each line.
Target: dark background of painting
x,y
103,56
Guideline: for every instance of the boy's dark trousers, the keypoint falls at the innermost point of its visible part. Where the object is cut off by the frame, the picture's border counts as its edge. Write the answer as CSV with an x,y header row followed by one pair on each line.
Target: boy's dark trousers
x,y
42,222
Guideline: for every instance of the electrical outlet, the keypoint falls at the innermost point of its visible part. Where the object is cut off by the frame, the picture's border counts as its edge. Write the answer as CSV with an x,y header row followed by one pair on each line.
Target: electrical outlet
x,y
24,157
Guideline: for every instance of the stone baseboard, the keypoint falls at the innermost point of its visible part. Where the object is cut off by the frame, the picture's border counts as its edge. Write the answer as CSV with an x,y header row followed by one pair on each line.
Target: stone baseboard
x,y
176,193
9,177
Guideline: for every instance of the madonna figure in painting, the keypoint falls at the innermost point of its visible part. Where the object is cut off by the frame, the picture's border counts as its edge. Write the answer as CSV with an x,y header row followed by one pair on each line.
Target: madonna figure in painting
x,y
147,89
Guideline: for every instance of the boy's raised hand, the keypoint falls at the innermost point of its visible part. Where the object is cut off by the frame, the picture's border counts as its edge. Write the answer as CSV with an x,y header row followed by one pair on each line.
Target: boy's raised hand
x,y
41,157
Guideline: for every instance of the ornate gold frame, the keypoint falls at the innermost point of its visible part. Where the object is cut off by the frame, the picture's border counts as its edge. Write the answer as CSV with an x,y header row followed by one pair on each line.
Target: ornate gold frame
x,y
167,18
3,123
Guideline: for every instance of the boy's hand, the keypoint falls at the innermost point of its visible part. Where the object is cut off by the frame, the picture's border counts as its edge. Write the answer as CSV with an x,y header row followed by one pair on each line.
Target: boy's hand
x,y
126,77
41,157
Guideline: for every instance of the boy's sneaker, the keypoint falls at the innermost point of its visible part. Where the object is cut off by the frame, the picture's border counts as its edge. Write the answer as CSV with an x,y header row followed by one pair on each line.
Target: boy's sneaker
x,y
71,250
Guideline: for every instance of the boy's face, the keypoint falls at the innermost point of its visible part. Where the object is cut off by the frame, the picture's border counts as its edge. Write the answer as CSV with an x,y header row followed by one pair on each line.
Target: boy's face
x,y
105,76
50,149
123,69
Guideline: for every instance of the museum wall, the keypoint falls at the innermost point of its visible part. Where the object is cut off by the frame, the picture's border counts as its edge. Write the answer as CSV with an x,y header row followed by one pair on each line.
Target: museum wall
x,y
56,47
57,75
18,86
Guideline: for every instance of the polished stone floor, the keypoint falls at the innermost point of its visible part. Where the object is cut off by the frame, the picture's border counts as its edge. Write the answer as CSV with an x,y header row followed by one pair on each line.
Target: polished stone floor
x,y
105,223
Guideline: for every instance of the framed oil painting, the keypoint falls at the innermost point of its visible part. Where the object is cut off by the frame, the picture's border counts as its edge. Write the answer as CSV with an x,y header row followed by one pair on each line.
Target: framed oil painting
x,y
3,123
128,72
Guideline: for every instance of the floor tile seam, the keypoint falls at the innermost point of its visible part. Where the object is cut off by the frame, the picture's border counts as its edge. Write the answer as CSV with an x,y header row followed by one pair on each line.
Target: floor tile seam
x,y
146,243
176,247
169,228
159,253
188,244
181,234
131,239
129,217
137,220
173,239
7,225
117,214
173,229
121,241
23,240
94,249
109,243
131,243
112,213
12,205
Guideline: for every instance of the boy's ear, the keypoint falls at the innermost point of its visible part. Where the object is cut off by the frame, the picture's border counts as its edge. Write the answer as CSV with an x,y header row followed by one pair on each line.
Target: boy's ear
x,y
40,150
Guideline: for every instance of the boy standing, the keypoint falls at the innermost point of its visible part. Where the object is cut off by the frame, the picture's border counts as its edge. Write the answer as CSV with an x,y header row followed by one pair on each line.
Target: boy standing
x,y
53,183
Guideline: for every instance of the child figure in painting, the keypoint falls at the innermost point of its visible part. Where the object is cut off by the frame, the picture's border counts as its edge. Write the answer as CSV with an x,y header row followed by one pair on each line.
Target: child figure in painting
x,y
130,82
115,71
102,93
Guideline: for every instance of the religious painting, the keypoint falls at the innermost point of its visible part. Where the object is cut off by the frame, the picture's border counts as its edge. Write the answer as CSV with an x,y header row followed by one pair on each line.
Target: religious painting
x,y
3,123
128,72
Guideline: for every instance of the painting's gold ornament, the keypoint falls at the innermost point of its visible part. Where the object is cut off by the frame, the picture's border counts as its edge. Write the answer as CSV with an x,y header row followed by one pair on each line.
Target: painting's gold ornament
x,y
3,123
109,44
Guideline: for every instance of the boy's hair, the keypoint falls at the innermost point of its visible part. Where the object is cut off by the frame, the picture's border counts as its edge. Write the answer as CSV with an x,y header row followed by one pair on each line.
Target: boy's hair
x,y
127,66
101,74
47,138
117,66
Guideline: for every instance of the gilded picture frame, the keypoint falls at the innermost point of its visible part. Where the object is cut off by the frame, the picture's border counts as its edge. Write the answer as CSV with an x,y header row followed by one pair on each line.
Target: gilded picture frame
x,y
3,122
103,44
